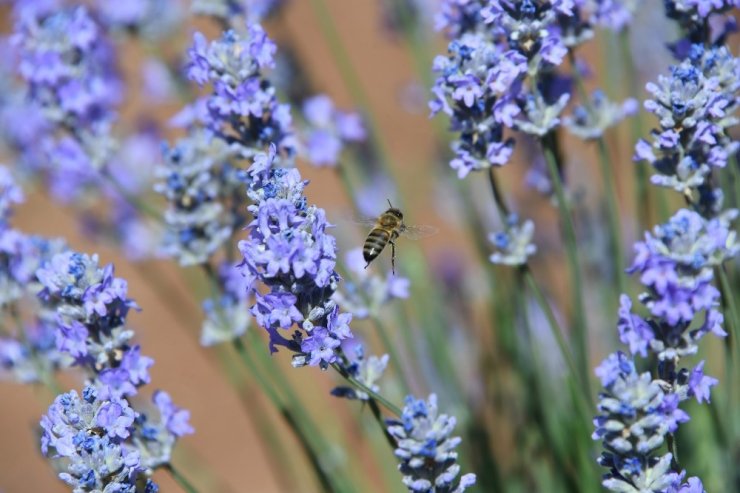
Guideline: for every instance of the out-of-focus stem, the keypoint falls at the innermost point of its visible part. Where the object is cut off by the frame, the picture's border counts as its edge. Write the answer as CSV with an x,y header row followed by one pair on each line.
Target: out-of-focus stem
x,y
612,215
375,409
607,169
498,198
308,443
557,332
351,79
574,267
729,302
180,478
643,197
142,206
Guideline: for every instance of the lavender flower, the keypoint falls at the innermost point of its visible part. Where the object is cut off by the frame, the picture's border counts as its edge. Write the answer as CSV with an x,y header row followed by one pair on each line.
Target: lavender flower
x,y
68,66
636,415
89,436
243,105
591,125
366,292
155,439
91,307
514,246
676,266
226,10
151,19
227,317
366,370
616,15
105,445
329,130
201,186
695,106
500,73
289,252
426,449
692,17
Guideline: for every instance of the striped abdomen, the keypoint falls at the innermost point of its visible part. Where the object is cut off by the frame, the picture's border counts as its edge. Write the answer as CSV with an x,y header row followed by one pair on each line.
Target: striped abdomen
x,y
374,243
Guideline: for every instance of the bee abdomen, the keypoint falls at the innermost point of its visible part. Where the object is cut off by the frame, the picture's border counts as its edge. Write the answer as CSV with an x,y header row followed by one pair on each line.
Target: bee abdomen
x,y
374,244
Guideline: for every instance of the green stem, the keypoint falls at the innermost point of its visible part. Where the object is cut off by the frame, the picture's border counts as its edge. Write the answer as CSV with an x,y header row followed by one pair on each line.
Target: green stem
x,y
607,169
729,303
498,198
643,197
370,392
287,412
375,409
557,332
350,77
574,267
142,206
181,479
612,209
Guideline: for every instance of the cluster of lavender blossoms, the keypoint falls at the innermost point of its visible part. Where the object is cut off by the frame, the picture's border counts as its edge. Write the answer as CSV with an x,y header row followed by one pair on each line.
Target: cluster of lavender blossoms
x,y
329,130
100,441
28,354
514,245
676,265
68,67
501,74
60,120
427,449
226,10
78,318
695,106
236,120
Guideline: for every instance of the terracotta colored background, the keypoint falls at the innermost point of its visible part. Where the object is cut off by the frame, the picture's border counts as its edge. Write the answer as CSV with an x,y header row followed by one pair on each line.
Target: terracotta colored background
x,y
225,454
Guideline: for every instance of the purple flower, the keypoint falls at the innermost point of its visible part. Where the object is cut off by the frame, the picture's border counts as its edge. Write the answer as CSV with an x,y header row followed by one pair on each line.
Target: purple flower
x,y
700,384
633,329
693,105
175,418
72,429
615,365
116,417
72,339
241,95
319,347
426,449
329,130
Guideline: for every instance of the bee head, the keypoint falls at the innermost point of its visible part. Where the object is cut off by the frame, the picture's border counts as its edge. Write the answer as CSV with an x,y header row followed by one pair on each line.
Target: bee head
x,y
395,212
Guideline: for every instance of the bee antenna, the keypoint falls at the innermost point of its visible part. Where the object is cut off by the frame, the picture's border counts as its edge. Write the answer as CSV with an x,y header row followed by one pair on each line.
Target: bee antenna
x,y
389,203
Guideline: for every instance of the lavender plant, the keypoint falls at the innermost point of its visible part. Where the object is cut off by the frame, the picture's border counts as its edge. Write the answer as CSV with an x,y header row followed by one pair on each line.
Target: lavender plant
x,y
473,332
676,265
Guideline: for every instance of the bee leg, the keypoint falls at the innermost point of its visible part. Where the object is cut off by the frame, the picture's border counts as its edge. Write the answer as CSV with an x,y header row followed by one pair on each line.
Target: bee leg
x,y
393,257
367,265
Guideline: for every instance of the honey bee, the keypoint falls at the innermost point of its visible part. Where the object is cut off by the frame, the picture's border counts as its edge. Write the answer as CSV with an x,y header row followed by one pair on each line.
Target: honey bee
x,y
386,229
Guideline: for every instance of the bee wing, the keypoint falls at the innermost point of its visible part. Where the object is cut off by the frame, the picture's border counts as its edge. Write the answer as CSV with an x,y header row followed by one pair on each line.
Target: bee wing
x,y
418,231
359,219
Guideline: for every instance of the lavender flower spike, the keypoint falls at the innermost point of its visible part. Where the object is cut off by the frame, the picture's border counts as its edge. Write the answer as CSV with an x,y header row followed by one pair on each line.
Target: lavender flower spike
x,y
426,449
514,246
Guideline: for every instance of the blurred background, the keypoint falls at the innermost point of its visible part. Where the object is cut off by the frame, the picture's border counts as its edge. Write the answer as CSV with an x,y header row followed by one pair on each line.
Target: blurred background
x,y
228,452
